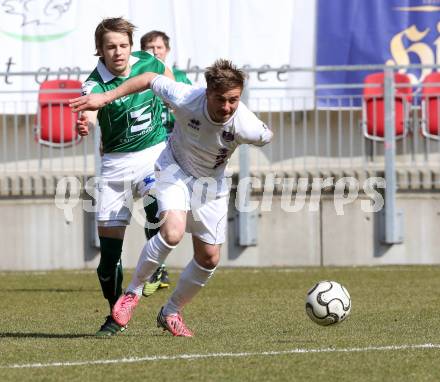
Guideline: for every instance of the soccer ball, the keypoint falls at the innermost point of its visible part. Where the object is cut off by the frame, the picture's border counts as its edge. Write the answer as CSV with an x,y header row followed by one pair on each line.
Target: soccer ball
x,y
328,303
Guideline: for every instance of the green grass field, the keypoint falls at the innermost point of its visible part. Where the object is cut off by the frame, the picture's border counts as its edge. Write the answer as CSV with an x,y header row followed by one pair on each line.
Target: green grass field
x,y
249,324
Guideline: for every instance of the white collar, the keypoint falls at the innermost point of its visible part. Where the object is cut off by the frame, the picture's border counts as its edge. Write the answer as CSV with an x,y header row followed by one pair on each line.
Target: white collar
x,y
105,74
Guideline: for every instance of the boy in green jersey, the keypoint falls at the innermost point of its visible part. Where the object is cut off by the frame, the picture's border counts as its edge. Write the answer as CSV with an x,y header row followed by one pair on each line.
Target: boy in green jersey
x,y
158,44
133,136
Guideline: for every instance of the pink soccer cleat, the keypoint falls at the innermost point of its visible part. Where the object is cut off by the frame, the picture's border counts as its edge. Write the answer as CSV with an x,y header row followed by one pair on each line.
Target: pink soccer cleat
x,y
124,308
174,324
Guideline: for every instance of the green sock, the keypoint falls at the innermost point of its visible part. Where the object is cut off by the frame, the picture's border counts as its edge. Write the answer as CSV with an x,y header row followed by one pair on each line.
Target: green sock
x,y
110,269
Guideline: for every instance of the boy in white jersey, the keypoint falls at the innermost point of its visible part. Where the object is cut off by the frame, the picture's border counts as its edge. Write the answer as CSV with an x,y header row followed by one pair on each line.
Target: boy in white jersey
x,y
133,136
210,124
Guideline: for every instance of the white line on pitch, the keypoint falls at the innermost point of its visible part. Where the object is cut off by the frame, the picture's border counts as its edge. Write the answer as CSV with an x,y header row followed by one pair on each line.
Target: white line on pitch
x,y
221,355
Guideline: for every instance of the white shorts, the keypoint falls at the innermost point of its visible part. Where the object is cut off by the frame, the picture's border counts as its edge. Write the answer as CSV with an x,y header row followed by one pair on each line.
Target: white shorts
x,y
175,190
124,176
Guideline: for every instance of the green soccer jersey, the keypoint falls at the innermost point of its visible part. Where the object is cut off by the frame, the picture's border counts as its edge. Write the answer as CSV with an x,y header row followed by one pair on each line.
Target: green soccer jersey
x,y
167,116
134,122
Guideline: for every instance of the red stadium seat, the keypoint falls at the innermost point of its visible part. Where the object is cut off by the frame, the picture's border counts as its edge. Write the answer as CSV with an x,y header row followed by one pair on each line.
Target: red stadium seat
x,y
55,122
431,106
373,121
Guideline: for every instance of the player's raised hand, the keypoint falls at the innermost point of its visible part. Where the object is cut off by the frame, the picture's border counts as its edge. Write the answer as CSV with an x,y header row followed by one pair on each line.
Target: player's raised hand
x,y
82,124
90,102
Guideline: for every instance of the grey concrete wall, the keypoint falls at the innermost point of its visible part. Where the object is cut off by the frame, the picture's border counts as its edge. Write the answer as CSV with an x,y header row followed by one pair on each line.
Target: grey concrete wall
x,y
284,239
354,239
35,235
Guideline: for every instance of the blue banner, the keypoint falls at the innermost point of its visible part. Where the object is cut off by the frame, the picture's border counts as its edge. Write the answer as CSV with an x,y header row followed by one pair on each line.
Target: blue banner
x,y
384,32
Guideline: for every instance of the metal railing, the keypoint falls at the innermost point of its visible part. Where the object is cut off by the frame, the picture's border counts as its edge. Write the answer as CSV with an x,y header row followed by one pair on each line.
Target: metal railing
x,y
314,132
329,135
22,151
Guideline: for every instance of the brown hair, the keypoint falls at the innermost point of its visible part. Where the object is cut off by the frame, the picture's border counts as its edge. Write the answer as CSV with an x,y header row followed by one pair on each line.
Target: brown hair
x,y
153,35
115,24
224,75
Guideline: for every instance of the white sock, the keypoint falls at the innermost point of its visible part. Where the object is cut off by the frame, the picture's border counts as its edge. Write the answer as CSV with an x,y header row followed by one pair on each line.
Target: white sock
x,y
192,279
153,254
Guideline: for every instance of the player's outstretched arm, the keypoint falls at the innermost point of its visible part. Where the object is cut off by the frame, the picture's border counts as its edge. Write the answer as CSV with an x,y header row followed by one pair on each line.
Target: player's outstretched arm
x,y
98,100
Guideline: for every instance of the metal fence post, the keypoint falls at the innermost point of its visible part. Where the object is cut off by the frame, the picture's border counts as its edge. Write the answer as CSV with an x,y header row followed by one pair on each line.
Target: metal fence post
x,y
393,219
97,156
247,220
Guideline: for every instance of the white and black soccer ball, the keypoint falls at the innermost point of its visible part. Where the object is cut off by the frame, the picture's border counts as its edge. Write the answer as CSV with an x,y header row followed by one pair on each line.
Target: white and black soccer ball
x,y
327,303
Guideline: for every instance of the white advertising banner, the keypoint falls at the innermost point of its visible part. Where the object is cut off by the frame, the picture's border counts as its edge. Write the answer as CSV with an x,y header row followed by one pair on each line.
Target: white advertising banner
x,y
52,36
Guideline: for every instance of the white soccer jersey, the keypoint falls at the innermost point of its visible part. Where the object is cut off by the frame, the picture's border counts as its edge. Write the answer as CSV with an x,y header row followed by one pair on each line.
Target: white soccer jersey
x,y
199,145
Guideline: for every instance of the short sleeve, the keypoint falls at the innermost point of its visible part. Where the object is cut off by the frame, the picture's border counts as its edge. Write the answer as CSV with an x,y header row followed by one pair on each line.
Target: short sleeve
x,y
90,87
251,129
